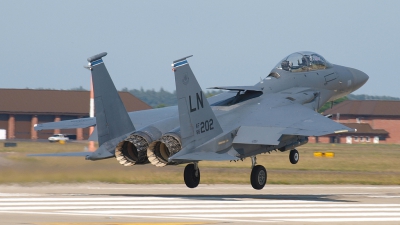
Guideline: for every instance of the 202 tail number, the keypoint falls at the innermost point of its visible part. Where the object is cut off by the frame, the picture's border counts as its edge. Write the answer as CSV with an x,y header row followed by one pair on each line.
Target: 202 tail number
x,y
205,126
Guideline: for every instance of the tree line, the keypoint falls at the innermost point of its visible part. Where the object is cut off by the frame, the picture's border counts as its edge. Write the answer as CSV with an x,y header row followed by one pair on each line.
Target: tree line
x,y
163,98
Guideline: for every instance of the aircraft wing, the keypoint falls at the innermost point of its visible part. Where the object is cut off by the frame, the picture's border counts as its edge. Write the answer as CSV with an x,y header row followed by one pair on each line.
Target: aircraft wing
x,y
264,123
67,124
69,154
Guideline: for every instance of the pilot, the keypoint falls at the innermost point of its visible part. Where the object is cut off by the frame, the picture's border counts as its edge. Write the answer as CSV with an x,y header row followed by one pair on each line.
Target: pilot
x,y
305,60
286,65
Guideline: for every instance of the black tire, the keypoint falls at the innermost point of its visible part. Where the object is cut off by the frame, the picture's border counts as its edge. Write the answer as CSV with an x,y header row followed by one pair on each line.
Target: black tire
x,y
258,177
294,156
191,176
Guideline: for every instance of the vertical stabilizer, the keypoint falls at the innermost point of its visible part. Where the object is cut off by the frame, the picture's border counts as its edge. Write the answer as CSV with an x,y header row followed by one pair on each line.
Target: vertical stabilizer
x,y
198,123
112,120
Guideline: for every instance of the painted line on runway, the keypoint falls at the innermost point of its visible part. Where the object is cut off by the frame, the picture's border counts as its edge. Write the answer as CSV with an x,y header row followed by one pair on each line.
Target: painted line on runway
x,y
185,205
229,217
121,223
178,200
186,208
263,215
17,194
254,210
244,187
188,198
137,216
233,217
383,196
335,219
85,199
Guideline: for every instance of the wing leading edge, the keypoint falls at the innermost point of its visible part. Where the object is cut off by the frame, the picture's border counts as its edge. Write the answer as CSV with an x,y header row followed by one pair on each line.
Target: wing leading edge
x,y
239,88
66,124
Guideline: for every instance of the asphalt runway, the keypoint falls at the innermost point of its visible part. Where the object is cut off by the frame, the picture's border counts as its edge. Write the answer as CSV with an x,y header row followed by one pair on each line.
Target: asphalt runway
x,y
114,204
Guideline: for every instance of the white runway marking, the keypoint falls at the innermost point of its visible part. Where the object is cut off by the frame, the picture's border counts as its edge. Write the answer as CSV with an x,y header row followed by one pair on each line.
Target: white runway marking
x,y
16,195
203,209
383,196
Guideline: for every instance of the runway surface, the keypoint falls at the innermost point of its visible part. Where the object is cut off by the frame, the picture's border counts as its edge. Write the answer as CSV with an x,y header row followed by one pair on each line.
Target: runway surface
x,y
113,204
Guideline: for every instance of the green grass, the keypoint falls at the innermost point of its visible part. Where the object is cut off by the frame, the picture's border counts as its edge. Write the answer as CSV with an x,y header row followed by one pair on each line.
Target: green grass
x,y
352,164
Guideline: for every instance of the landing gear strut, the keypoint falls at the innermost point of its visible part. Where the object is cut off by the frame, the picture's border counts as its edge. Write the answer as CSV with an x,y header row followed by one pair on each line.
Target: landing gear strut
x,y
294,156
191,175
258,176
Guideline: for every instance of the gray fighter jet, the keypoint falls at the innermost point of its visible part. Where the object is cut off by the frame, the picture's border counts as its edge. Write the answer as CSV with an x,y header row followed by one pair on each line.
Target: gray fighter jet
x,y
278,113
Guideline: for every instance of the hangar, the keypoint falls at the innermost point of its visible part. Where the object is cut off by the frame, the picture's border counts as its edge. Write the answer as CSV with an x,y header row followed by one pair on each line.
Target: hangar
x,y
376,121
20,109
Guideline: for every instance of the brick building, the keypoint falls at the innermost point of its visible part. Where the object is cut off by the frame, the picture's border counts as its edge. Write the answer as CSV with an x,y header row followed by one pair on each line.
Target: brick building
x,y
376,121
20,109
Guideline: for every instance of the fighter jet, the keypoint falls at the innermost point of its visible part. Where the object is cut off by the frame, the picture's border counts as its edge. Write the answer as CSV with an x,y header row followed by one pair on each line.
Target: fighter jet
x,y
277,114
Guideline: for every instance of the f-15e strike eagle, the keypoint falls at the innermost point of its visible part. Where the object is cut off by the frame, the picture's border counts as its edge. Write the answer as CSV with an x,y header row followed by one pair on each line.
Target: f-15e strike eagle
x,y
278,113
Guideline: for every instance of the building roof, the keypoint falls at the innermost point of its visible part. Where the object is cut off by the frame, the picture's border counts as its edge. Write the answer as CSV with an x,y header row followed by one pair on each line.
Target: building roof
x,y
42,102
365,128
366,108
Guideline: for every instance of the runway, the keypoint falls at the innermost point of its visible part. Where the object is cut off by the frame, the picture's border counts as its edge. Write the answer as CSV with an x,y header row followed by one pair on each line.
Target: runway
x,y
208,204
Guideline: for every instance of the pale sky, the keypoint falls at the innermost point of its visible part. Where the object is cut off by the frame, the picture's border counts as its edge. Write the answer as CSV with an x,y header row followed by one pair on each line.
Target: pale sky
x,y
45,44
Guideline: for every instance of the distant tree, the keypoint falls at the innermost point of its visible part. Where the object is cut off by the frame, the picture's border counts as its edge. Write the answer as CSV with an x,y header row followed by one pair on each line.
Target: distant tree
x,y
160,106
155,98
372,97
80,88
328,104
161,98
357,97
40,88
212,93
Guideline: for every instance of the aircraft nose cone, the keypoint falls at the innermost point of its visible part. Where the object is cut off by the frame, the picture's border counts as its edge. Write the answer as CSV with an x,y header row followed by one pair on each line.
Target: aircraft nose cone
x,y
360,78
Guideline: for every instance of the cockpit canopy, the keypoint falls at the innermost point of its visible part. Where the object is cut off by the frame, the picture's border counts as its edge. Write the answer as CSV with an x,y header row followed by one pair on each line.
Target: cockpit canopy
x,y
303,61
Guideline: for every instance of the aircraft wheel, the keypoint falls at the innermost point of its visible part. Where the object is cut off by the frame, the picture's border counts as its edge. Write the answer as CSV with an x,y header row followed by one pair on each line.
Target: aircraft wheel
x,y
191,176
294,156
258,177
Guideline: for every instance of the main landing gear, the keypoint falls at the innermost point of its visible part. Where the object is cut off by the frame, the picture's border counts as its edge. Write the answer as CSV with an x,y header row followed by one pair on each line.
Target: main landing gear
x,y
294,156
258,177
191,175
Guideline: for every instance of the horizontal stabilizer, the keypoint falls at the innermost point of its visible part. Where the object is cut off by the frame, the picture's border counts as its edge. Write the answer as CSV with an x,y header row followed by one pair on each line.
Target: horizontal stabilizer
x,y
207,156
79,154
258,135
239,88
101,153
66,124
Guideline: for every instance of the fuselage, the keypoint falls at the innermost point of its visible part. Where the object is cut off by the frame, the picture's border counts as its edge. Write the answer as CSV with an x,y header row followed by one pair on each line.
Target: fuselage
x,y
331,82
296,79
321,84
278,113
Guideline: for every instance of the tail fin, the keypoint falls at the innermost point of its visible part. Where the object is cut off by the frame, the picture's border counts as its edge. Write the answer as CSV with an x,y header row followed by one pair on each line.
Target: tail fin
x,y
198,123
112,120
